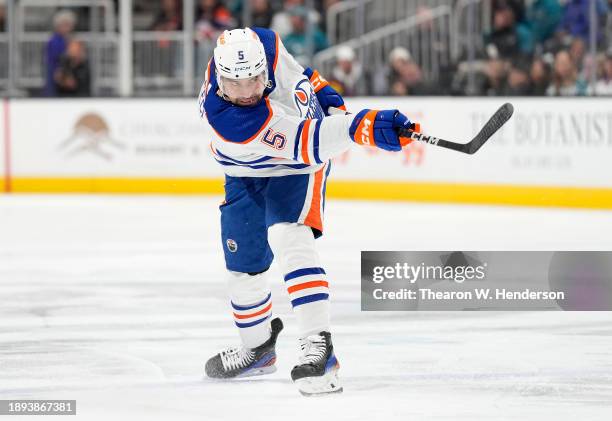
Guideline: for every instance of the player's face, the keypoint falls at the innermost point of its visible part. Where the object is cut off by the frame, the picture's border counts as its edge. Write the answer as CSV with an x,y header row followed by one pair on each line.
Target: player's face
x,y
245,92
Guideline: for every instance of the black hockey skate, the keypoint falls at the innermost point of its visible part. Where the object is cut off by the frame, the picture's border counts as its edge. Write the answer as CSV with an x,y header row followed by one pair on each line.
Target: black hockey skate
x,y
243,362
317,371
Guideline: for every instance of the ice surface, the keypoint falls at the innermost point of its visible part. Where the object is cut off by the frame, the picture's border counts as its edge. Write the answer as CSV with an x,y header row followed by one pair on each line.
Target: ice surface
x,y
117,302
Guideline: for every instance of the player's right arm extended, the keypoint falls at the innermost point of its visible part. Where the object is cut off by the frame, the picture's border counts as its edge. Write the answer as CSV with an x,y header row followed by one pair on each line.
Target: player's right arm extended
x,y
315,141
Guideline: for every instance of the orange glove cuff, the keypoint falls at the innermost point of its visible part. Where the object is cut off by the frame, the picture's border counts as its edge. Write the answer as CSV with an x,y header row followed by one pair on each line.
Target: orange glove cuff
x,y
406,140
317,81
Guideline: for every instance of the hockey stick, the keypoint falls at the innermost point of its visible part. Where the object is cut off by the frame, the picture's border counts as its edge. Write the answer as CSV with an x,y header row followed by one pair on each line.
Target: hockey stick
x,y
497,120
501,116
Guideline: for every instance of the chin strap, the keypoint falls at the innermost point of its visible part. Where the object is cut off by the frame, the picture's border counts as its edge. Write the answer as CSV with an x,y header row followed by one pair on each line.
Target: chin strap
x,y
222,95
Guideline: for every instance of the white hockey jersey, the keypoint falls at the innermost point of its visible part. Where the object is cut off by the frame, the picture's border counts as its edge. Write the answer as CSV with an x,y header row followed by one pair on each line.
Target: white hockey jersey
x,y
285,133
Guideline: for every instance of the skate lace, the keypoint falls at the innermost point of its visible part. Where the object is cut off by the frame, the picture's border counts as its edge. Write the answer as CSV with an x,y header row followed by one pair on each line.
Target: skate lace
x,y
313,349
233,358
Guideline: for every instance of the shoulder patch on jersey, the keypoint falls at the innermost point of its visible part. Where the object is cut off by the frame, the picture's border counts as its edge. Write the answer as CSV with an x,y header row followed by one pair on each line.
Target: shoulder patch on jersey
x,y
306,100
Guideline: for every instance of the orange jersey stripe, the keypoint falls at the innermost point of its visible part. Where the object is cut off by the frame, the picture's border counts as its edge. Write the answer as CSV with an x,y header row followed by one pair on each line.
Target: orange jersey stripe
x,y
305,131
313,219
206,81
276,52
246,316
305,285
207,74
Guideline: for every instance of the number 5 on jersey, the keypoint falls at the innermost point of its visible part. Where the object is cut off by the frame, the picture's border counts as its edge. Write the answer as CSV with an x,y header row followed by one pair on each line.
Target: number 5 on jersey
x,y
274,140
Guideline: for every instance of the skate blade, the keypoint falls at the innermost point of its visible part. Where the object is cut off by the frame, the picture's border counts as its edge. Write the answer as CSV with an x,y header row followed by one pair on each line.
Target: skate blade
x,y
260,371
321,385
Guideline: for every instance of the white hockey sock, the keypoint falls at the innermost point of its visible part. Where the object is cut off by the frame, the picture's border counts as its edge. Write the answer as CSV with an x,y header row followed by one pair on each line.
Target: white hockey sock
x,y
294,249
251,304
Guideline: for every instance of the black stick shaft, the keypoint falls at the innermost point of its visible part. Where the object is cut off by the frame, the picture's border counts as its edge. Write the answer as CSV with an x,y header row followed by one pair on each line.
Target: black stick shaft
x,y
497,120
460,147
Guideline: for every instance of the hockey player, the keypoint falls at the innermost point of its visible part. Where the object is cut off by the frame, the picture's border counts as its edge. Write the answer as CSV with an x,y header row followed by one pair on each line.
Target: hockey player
x,y
273,134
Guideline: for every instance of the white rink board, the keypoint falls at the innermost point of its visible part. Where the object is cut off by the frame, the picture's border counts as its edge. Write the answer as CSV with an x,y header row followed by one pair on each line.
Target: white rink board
x,y
110,138
555,142
3,141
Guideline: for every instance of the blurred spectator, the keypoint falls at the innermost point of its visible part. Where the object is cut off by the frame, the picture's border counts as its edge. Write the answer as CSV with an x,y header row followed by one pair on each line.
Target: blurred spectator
x,y
577,51
72,77
576,18
405,76
2,16
565,77
326,4
212,19
425,15
166,59
543,17
170,17
540,75
234,6
518,83
517,6
603,87
509,36
281,21
482,77
297,41
496,77
261,13
63,25
347,73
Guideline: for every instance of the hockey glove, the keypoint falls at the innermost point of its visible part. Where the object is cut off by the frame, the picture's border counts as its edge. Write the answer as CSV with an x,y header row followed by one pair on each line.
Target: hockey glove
x,y
327,96
379,128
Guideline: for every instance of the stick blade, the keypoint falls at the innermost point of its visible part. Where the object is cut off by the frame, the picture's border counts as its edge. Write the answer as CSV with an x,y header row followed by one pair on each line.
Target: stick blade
x,y
497,120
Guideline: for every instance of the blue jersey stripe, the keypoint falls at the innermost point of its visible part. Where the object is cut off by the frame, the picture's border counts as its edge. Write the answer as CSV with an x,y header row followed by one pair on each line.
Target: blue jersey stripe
x,y
242,308
259,167
329,164
296,145
268,39
315,145
303,272
309,299
263,159
256,322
